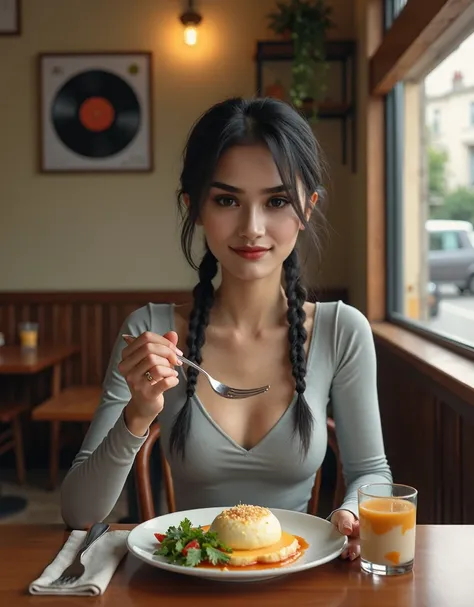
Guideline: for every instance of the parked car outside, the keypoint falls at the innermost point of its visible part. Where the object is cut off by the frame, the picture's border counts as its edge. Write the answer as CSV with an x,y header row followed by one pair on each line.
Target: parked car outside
x,y
451,253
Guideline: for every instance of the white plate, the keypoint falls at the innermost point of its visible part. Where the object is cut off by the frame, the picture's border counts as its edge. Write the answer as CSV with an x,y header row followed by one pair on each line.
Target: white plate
x,y
325,544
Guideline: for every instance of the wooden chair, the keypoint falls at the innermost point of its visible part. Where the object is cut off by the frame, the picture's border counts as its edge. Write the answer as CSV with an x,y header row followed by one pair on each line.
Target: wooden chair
x,y
145,496
11,438
74,404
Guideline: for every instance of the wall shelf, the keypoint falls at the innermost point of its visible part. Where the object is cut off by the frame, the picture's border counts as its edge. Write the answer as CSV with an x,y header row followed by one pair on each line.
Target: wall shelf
x,y
344,109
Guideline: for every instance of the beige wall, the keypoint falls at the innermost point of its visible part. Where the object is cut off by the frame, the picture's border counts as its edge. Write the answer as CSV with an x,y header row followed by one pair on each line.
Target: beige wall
x,y
95,232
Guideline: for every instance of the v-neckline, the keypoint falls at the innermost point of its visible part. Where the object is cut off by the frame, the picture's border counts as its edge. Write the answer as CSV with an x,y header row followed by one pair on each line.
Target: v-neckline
x,y
280,420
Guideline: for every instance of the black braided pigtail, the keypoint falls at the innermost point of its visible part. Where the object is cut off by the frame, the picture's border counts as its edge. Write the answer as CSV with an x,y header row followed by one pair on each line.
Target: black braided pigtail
x,y
297,334
198,320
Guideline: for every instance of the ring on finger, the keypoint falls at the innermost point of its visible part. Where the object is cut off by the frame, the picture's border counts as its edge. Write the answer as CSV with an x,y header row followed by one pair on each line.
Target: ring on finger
x,y
149,376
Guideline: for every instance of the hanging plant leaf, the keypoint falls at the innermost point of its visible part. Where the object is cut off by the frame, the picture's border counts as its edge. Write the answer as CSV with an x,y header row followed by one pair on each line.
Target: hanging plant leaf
x,y
308,22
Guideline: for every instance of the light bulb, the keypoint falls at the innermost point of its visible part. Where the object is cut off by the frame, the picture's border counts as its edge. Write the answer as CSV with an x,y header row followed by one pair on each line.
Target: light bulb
x,y
190,35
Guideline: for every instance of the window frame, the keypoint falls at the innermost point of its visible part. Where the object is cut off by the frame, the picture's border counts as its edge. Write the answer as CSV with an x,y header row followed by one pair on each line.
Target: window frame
x,y
394,150
471,163
394,144
392,9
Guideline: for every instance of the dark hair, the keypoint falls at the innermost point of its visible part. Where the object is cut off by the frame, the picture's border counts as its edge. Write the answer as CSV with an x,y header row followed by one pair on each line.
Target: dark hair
x,y
296,153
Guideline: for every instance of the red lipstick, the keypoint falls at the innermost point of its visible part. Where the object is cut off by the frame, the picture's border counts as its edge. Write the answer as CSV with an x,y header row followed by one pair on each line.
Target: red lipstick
x,y
250,253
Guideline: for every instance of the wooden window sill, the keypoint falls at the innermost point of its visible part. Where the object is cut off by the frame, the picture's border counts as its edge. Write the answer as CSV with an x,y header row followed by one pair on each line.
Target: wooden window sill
x,y
448,369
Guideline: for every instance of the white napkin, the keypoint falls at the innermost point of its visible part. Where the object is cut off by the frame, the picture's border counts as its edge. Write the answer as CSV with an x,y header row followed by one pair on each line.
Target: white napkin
x,y
100,562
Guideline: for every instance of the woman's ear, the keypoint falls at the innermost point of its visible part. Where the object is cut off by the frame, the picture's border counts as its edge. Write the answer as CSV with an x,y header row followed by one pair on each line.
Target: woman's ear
x,y
312,203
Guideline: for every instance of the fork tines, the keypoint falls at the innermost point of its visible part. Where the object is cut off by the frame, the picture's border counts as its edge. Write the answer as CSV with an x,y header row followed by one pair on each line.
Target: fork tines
x,y
235,393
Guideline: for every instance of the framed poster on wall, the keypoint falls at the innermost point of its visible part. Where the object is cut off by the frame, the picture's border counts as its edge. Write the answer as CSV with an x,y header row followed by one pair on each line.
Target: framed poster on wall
x,y
10,17
95,112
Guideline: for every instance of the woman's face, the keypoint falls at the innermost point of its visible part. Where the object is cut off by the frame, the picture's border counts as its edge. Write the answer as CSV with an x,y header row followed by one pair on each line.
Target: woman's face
x,y
249,223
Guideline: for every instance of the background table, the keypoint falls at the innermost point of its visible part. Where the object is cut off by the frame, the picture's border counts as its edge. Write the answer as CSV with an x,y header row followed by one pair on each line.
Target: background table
x,y
442,578
16,361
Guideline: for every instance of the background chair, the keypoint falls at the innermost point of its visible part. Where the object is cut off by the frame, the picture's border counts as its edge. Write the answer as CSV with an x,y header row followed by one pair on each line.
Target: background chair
x,y
75,404
144,488
11,436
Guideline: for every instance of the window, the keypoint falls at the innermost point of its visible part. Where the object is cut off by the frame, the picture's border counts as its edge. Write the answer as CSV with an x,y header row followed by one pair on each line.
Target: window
x,y
430,195
444,241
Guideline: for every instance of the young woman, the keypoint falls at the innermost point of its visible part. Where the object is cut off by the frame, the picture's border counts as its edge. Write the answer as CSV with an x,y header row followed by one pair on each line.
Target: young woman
x,y
251,180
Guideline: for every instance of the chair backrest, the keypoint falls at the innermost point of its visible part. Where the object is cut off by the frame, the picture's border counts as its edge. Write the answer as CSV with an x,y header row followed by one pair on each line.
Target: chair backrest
x,y
143,480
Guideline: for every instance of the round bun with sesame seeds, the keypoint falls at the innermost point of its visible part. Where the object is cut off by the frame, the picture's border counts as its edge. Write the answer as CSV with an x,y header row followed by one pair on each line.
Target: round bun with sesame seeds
x,y
246,527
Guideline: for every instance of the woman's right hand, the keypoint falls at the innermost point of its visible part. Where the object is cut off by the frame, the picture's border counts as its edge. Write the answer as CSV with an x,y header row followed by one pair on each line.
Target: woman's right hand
x,y
154,356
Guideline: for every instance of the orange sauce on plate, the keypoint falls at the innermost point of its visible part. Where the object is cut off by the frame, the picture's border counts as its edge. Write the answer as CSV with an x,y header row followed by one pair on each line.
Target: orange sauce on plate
x,y
286,540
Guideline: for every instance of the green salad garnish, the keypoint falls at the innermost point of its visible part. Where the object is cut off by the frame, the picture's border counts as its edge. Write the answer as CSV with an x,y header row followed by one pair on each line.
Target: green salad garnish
x,y
189,546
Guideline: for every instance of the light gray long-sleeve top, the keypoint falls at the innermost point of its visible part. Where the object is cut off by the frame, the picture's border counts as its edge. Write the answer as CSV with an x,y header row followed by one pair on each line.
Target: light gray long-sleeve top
x,y
217,471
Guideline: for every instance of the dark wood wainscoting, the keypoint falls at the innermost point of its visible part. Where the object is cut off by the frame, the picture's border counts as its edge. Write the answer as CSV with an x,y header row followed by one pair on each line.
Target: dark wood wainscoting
x,y
429,439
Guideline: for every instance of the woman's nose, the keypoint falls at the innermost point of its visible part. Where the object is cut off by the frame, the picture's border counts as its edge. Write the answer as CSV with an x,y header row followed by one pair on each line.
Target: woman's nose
x,y
252,224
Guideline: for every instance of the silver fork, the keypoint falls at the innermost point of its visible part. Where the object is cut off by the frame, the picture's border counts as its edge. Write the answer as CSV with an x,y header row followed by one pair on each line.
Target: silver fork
x,y
223,389
76,568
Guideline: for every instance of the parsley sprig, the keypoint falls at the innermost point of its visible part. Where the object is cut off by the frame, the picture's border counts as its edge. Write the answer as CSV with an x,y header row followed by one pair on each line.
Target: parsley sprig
x,y
187,545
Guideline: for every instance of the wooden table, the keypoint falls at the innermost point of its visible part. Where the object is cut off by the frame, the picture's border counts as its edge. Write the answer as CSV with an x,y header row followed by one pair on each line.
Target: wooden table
x,y
16,361
442,578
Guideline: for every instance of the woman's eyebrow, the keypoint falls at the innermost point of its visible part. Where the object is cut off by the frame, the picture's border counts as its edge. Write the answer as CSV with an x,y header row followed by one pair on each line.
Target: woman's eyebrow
x,y
231,188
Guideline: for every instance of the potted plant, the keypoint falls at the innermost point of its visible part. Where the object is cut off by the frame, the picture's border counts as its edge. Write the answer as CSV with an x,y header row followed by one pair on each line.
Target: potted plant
x,y
305,22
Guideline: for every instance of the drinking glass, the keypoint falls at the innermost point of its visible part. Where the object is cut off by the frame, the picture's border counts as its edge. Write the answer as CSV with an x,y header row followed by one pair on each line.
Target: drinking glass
x,y
28,335
387,515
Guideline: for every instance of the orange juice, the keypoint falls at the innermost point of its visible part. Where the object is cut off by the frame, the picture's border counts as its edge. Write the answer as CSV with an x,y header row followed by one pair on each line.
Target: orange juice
x,y
387,531
29,339
28,335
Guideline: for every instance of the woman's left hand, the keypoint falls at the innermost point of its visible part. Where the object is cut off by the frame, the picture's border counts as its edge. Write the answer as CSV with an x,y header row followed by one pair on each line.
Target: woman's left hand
x,y
347,524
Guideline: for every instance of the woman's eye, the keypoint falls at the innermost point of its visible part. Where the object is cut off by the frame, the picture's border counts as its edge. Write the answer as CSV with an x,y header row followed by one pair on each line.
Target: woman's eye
x,y
225,201
278,203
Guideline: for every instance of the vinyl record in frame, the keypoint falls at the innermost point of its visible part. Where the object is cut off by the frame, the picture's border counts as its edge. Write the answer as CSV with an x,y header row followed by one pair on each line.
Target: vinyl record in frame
x,y
95,112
